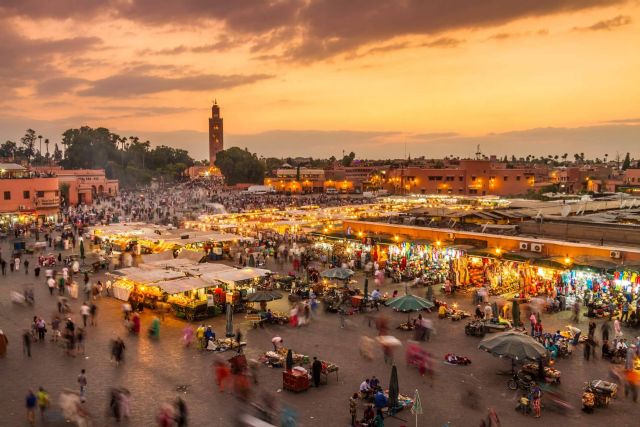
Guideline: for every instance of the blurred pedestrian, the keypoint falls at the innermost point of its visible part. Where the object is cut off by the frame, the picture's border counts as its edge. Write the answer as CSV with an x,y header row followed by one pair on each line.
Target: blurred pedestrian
x,y
31,402
93,311
85,311
26,342
4,341
82,382
353,408
316,370
165,415
43,401
180,412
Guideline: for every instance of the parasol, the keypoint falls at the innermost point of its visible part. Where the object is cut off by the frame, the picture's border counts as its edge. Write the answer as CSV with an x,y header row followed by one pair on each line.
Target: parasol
x,y
264,296
337,273
514,345
408,303
394,389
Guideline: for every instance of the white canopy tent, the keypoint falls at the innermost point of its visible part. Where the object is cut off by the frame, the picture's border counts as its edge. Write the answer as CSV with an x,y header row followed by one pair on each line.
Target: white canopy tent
x,y
184,284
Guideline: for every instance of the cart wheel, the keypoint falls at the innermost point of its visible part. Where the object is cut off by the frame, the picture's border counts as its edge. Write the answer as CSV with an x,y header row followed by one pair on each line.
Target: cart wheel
x,y
512,384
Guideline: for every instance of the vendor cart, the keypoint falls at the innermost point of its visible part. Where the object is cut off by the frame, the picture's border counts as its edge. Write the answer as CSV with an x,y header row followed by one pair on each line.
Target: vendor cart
x,y
195,310
603,391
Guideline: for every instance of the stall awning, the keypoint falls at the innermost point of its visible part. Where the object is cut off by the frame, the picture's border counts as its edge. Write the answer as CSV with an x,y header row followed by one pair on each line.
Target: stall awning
x,y
595,263
175,263
194,256
200,269
550,262
236,275
521,256
484,253
141,275
182,285
162,256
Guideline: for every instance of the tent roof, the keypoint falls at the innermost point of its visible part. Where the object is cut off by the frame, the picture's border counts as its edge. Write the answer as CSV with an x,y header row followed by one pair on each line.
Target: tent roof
x,y
200,269
236,275
154,275
182,285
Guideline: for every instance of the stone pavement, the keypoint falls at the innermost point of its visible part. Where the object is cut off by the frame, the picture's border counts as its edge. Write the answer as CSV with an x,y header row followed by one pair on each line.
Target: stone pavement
x,y
153,371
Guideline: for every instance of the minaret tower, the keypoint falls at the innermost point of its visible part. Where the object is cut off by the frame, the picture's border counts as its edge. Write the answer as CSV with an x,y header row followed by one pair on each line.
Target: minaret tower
x,y
215,133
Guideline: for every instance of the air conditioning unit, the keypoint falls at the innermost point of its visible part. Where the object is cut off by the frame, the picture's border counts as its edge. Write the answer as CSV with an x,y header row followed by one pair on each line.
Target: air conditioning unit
x,y
524,246
536,247
615,254
451,236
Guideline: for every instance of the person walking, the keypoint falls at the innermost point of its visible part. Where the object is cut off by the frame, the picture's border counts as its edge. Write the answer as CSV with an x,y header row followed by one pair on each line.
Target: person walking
x,y
94,314
180,412
85,311
43,401
31,402
26,266
316,370
605,329
533,320
82,382
26,343
51,283
3,265
353,408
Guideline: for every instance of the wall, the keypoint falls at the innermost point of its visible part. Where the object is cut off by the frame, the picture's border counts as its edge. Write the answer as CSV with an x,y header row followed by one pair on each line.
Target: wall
x,y
614,233
505,243
45,204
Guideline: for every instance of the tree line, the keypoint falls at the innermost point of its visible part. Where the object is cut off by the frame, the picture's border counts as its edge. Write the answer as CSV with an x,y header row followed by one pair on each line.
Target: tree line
x,y
132,161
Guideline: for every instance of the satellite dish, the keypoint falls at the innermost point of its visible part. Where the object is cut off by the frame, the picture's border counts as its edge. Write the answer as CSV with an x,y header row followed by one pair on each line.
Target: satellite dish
x,y
566,210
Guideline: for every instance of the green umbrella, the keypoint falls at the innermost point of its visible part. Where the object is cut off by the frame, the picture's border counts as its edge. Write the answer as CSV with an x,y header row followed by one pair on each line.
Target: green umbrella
x,y
515,312
416,408
394,390
409,303
337,273
514,345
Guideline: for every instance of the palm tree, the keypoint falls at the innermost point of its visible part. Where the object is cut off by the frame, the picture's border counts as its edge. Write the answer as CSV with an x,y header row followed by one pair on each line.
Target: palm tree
x,y
40,138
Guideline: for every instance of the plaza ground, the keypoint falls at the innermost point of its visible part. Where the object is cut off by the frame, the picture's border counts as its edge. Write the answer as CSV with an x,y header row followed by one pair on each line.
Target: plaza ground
x,y
154,371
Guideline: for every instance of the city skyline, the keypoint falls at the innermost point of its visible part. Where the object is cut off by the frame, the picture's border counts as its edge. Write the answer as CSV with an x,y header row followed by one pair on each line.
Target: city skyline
x,y
317,79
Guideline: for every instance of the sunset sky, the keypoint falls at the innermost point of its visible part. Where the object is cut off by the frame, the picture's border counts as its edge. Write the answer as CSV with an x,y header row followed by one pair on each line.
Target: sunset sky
x,y
316,77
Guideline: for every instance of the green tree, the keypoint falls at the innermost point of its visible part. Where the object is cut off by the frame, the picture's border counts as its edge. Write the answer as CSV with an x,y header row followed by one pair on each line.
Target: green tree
x,y
240,166
57,153
29,142
626,163
348,159
8,149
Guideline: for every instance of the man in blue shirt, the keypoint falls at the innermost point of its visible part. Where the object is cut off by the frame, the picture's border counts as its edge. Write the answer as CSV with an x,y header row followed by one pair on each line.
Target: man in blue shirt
x,y
31,402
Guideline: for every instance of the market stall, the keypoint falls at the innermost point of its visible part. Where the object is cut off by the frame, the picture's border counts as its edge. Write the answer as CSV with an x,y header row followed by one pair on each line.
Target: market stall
x,y
192,298
140,281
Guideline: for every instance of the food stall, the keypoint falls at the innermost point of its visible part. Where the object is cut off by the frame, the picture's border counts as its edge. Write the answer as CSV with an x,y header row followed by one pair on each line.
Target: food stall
x,y
135,280
192,298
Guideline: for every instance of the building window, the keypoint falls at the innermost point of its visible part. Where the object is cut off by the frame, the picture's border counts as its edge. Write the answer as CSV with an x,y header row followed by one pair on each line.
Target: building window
x,y
506,178
473,178
39,193
473,191
26,195
7,195
450,178
461,178
518,178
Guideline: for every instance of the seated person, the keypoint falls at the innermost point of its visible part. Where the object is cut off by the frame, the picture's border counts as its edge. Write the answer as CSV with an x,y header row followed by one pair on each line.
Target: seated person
x,y
376,295
374,384
369,415
380,400
365,389
557,336
479,313
268,315
553,349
